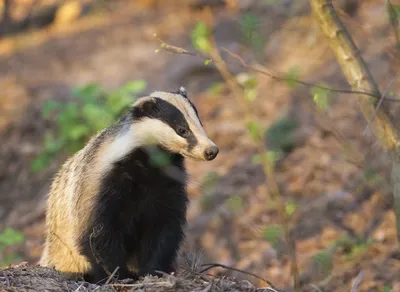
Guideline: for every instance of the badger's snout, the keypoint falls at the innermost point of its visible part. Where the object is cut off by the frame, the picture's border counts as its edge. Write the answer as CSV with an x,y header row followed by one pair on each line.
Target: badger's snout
x,y
211,152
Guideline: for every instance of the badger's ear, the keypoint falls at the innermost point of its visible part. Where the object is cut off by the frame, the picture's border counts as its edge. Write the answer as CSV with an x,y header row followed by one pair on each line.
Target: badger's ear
x,y
144,107
182,91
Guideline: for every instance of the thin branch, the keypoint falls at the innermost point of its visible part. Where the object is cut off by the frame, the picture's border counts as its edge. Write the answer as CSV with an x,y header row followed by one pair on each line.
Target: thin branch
x,y
357,281
381,101
214,265
111,276
178,50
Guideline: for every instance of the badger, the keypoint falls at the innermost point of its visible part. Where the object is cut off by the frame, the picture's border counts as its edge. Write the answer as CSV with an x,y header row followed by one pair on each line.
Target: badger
x,y
114,210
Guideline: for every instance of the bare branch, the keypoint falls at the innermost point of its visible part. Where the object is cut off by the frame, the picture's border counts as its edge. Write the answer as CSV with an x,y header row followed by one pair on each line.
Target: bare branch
x,y
381,101
276,76
215,265
357,281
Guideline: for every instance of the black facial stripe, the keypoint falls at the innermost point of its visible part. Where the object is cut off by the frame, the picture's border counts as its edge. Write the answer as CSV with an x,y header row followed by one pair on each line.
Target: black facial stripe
x,y
184,95
195,110
165,112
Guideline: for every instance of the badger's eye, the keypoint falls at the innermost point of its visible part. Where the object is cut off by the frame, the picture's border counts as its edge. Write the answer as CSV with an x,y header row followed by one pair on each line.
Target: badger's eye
x,y
182,132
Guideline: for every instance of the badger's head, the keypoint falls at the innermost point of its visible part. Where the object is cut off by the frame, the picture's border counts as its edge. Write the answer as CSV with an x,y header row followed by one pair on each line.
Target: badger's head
x,y
172,121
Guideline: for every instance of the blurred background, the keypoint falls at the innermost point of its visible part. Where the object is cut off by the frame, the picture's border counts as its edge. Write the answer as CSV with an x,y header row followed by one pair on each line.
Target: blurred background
x,y
69,68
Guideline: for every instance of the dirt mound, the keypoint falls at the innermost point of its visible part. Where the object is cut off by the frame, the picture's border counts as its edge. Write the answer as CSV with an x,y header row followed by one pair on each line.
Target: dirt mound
x,y
35,278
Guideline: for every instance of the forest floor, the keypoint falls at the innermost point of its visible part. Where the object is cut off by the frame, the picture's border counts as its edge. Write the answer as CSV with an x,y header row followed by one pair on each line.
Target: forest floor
x,y
335,179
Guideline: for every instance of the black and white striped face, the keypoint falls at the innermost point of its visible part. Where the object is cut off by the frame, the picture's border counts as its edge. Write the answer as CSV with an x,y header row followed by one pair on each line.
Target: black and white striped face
x,y
171,120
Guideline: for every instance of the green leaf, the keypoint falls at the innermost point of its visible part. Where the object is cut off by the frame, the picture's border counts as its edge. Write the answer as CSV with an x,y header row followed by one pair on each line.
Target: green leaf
x,y
387,288
10,237
207,62
40,162
134,87
89,93
290,207
321,97
273,234
254,130
51,144
78,132
373,100
69,114
250,94
216,88
324,260
97,117
292,76
273,156
49,107
117,102
200,37
280,135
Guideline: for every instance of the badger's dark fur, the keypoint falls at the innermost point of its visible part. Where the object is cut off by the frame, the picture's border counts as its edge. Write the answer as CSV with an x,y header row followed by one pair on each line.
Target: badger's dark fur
x,y
112,207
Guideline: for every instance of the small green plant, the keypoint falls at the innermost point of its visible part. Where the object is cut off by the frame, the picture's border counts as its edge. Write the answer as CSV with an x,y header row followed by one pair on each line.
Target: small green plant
x,y
273,234
323,262
92,109
386,288
352,248
372,176
280,136
8,238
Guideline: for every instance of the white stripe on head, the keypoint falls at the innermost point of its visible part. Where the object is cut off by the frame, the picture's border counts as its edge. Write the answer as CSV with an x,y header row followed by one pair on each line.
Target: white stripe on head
x,y
183,104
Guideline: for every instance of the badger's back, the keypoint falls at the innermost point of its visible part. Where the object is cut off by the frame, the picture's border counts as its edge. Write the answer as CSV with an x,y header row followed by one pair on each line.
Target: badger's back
x,y
70,203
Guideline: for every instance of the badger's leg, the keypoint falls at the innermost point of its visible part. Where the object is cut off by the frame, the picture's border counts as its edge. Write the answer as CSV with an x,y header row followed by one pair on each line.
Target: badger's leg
x,y
104,248
159,248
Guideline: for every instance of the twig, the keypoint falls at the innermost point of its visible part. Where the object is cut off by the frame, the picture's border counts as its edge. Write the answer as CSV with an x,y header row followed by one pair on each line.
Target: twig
x,y
178,50
212,265
141,285
111,276
381,101
79,287
357,281
315,287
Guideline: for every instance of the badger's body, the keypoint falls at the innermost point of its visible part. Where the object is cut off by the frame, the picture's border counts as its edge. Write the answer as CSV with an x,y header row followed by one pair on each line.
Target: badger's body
x,y
113,205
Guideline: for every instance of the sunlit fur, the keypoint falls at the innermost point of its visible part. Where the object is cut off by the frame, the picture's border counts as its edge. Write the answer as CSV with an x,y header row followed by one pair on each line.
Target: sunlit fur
x,y
104,191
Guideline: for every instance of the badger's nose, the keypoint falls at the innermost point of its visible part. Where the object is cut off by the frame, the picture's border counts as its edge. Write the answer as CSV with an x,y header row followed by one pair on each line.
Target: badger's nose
x,y
211,152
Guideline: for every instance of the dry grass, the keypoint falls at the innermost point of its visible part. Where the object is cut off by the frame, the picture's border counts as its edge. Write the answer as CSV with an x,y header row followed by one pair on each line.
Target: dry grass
x,y
35,278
